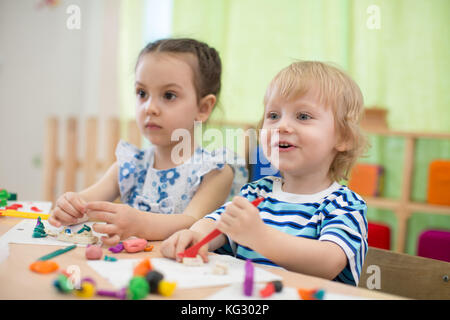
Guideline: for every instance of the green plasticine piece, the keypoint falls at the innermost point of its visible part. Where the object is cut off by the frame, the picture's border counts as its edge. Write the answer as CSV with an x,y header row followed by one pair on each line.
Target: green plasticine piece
x,y
4,194
85,228
3,202
57,253
39,234
39,229
138,288
108,258
63,284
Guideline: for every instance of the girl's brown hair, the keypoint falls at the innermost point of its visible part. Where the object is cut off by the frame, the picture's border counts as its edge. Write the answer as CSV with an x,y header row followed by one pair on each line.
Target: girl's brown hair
x,y
207,68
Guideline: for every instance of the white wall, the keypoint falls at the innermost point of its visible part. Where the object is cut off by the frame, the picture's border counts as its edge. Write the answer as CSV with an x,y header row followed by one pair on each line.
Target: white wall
x,y
47,69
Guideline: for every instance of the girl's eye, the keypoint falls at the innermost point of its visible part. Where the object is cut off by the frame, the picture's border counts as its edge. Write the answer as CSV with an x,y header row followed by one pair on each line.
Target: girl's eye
x,y
141,93
272,116
303,116
169,95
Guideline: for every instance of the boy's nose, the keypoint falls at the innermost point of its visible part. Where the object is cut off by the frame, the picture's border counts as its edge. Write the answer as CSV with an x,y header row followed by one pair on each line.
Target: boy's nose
x,y
284,126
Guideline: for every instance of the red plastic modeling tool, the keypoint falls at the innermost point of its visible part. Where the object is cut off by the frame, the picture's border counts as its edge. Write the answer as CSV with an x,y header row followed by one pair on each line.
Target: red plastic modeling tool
x,y
191,252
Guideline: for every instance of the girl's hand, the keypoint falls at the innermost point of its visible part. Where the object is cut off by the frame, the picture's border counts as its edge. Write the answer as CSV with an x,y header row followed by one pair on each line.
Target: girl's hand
x,y
181,240
68,210
122,221
241,221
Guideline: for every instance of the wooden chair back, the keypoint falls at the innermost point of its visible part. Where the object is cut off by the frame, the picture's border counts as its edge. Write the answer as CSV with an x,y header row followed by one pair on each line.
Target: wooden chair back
x,y
405,275
89,162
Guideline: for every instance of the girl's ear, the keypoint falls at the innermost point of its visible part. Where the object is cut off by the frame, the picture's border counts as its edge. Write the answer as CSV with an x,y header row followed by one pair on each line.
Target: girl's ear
x,y
205,107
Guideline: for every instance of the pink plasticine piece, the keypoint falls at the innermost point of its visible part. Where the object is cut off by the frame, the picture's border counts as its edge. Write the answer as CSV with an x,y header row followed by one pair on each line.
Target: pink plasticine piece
x,y
135,245
93,252
248,281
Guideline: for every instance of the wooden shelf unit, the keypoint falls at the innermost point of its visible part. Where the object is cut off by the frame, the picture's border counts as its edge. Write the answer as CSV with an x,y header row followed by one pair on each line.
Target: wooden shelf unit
x,y
404,207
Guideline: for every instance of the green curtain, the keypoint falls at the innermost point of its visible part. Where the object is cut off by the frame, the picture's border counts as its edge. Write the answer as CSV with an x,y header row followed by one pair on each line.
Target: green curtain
x,y
130,44
402,66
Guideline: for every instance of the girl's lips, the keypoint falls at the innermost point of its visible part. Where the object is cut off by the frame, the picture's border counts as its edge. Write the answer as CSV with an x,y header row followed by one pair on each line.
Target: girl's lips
x,y
152,126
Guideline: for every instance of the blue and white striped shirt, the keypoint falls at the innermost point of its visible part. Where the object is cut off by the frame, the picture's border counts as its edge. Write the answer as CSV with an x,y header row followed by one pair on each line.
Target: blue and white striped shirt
x,y
336,214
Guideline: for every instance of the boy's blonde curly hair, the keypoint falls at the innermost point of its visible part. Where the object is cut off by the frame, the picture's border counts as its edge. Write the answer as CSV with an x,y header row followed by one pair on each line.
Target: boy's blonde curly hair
x,y
336,90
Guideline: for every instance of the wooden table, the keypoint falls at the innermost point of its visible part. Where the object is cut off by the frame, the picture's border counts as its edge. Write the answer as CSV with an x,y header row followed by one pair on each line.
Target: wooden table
x,y
18,282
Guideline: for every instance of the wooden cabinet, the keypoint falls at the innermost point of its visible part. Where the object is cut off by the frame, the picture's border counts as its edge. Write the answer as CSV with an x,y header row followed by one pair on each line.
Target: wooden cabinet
x,y
404,206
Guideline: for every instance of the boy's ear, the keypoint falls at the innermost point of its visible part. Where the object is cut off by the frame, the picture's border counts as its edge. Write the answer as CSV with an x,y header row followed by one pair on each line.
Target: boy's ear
x,y
205,107
343,145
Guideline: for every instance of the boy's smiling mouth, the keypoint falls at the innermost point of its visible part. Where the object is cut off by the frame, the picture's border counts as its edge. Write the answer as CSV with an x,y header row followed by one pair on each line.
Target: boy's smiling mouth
x,y
284,146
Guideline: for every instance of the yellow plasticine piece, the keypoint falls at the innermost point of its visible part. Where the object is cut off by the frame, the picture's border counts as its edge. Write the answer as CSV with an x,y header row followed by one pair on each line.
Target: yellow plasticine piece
x,y
21,214
87,290
166,288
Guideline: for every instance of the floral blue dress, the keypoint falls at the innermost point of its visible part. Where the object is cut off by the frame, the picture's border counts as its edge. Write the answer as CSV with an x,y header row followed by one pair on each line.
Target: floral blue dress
x,y
170,191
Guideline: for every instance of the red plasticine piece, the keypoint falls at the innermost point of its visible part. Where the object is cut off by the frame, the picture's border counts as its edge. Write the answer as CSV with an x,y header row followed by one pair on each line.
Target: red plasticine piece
x,y
268,290
36,209
14,206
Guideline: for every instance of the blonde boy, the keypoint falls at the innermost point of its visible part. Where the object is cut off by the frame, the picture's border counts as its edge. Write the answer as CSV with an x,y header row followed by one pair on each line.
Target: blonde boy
x,y
308,222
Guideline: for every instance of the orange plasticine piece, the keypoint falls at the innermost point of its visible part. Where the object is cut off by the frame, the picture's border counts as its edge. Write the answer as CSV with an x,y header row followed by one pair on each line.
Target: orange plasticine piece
x,y
143,268
306,294
149,248
44,266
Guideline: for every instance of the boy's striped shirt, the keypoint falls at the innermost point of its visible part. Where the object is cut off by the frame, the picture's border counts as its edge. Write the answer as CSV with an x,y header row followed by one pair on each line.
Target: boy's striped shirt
x,y
336,214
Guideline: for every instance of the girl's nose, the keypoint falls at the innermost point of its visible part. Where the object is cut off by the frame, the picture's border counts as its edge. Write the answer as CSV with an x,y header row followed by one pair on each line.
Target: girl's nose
x,y
151,108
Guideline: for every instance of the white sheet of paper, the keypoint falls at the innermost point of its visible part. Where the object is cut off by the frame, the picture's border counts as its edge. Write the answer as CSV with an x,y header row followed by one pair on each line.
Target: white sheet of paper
x,y
235,292
23,233
119,273
43,206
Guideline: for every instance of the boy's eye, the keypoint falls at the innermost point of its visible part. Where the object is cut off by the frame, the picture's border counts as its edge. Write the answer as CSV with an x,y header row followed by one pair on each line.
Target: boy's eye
x,y
141,93
169,95
272,116
303,116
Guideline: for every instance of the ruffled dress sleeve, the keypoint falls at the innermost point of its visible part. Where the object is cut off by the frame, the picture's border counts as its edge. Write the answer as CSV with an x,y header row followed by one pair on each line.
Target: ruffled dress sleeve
x,y
216,160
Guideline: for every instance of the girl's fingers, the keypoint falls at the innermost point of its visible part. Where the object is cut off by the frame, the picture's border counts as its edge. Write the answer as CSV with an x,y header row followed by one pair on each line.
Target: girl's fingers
x,y
78,203
101,206
168,247
54,222
105,228
104,216
111,241
63,217
64,204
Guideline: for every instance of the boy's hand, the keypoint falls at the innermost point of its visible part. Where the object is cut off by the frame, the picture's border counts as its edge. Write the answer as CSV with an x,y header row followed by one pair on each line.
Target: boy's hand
x,y
180,241
241,221
68,210
122,221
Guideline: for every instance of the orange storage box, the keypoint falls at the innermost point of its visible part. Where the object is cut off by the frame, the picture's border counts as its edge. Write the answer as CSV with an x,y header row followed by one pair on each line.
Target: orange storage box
x,y
439,182
366,179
